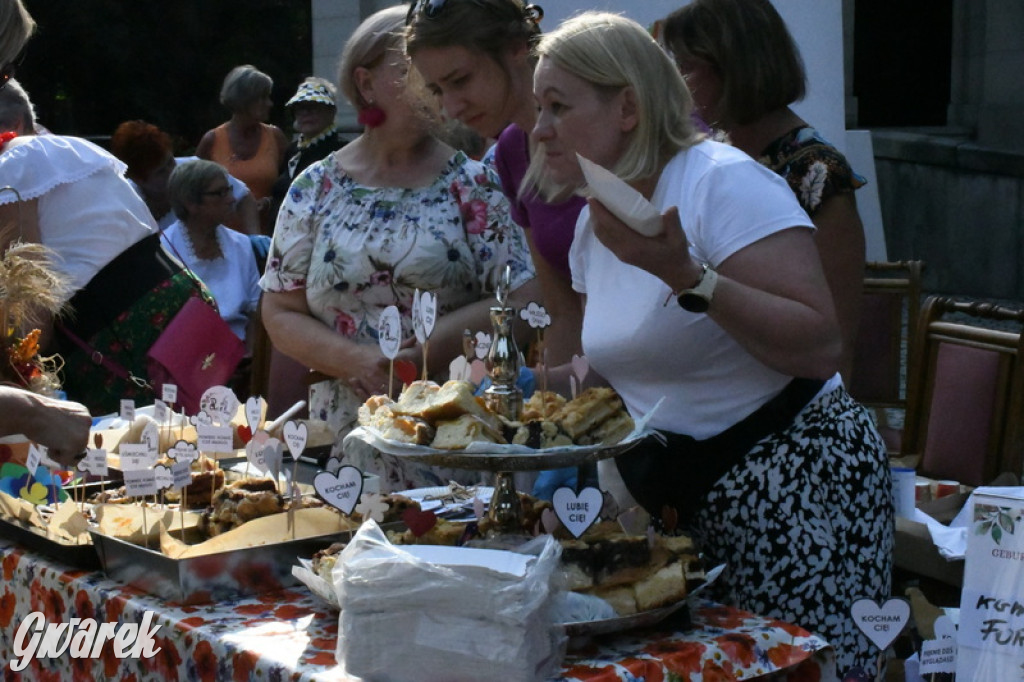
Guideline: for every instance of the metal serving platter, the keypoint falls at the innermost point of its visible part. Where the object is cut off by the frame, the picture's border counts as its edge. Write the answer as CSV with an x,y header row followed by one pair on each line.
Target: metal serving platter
x,y
211,577
498,457
82,556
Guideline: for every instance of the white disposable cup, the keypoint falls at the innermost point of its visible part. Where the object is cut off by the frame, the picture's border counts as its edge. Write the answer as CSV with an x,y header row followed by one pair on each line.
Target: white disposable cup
x,y
903,490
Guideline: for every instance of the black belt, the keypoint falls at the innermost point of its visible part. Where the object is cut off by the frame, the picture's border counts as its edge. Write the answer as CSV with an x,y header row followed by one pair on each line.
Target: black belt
x,y
133,273
679,472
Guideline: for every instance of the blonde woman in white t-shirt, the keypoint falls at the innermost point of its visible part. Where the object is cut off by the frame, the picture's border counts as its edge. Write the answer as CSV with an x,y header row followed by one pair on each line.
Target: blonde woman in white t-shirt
x,y
726,316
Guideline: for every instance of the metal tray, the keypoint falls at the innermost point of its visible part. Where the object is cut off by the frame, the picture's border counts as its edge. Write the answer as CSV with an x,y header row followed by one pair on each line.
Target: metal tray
x,y
208,578
496,457
81,556
607,626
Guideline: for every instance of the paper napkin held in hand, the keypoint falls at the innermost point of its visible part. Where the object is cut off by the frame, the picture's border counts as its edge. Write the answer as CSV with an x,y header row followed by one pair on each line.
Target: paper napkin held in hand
x,y
623,201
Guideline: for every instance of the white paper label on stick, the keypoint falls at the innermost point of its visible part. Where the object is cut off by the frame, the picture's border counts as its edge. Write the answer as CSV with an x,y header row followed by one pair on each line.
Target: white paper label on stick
x,y
535,315
273,453
135,456
254,412
163,477
340,490
295,436
183,451
883,623
938,656
417,318
215,439
169,393
140,482
151,437
254,455
389,332
428,312
95,462
220,402
35,454
181,473
577,512
161,413
128,410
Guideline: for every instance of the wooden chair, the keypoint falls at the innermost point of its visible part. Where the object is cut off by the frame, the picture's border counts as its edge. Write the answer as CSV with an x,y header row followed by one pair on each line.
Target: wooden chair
x,y
966,392
891,304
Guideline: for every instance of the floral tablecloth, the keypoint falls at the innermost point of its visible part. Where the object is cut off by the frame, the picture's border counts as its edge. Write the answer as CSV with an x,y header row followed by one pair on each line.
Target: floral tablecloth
x,y
290,635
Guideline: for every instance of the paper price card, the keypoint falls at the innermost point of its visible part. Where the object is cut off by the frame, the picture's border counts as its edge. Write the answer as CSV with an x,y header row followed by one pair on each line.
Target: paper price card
x,y
991,635
937,656
161,412
183,451
169,393
140,482
181,474
35,455
95,462
215,438
128,410
135,456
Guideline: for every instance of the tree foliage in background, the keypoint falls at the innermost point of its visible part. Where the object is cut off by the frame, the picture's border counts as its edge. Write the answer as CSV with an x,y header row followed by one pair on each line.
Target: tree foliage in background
x,y
96,63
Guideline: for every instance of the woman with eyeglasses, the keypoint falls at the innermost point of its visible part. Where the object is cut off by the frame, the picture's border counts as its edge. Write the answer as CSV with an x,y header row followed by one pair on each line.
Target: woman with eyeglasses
x,y
251,149
392,211
476,57
725,321
200,197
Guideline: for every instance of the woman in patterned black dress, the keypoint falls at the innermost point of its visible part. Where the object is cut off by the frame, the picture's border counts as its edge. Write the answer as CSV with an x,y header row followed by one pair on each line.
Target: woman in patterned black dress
x,y
744,70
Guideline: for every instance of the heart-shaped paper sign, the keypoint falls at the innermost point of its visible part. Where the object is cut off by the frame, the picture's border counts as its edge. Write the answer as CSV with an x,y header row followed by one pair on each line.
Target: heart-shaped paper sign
x,y
417,318
295,436
428,312
389,332
273,456
580,367
419,522
254,454
406,371
340,490
881,624
253,412
577,512
549,521
459,369
944,628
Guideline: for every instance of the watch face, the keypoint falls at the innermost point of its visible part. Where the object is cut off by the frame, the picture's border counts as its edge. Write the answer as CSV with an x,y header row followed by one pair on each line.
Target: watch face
x,y
694,303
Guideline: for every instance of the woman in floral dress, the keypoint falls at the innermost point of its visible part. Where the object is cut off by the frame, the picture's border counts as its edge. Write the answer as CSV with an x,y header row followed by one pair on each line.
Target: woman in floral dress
x,y
393,211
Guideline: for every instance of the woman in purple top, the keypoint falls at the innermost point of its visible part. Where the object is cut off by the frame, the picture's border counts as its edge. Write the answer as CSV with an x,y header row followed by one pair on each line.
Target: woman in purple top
x,y
477,58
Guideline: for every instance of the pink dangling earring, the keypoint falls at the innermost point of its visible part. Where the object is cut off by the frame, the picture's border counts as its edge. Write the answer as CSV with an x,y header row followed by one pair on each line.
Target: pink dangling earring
x,y
371,115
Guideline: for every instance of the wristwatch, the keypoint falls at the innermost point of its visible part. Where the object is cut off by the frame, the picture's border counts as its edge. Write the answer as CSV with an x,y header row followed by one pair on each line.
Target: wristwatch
x,y
697,299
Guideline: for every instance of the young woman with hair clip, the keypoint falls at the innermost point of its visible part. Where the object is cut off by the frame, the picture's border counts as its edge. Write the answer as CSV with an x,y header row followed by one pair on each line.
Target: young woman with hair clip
x,y
476,57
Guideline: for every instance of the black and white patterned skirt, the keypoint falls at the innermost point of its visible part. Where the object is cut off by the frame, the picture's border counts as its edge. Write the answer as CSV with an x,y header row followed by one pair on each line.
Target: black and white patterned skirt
x,y
805,524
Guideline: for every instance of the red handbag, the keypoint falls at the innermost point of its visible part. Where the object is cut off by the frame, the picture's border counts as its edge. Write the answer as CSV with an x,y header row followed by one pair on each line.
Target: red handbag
x,y
195,351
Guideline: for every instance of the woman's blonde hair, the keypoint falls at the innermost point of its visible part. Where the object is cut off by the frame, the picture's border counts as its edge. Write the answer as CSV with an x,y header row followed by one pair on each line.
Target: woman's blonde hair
x,y
16,26
379,33
611,53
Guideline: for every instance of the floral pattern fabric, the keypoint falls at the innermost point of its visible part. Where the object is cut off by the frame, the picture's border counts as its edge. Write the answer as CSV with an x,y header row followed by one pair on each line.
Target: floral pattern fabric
x,y
356,250
814,169
289,635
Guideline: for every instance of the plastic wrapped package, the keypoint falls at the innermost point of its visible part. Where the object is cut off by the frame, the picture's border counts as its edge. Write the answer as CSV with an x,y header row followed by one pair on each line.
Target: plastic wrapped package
x,y
426,614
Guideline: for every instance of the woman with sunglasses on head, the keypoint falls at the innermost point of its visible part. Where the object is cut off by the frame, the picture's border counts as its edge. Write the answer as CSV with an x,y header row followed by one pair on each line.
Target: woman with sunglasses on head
x,y
775,470
476,57
744,71
392,211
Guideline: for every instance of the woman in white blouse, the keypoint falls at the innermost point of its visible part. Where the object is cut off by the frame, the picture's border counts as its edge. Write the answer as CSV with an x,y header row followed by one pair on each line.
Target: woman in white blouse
x,y
222,258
